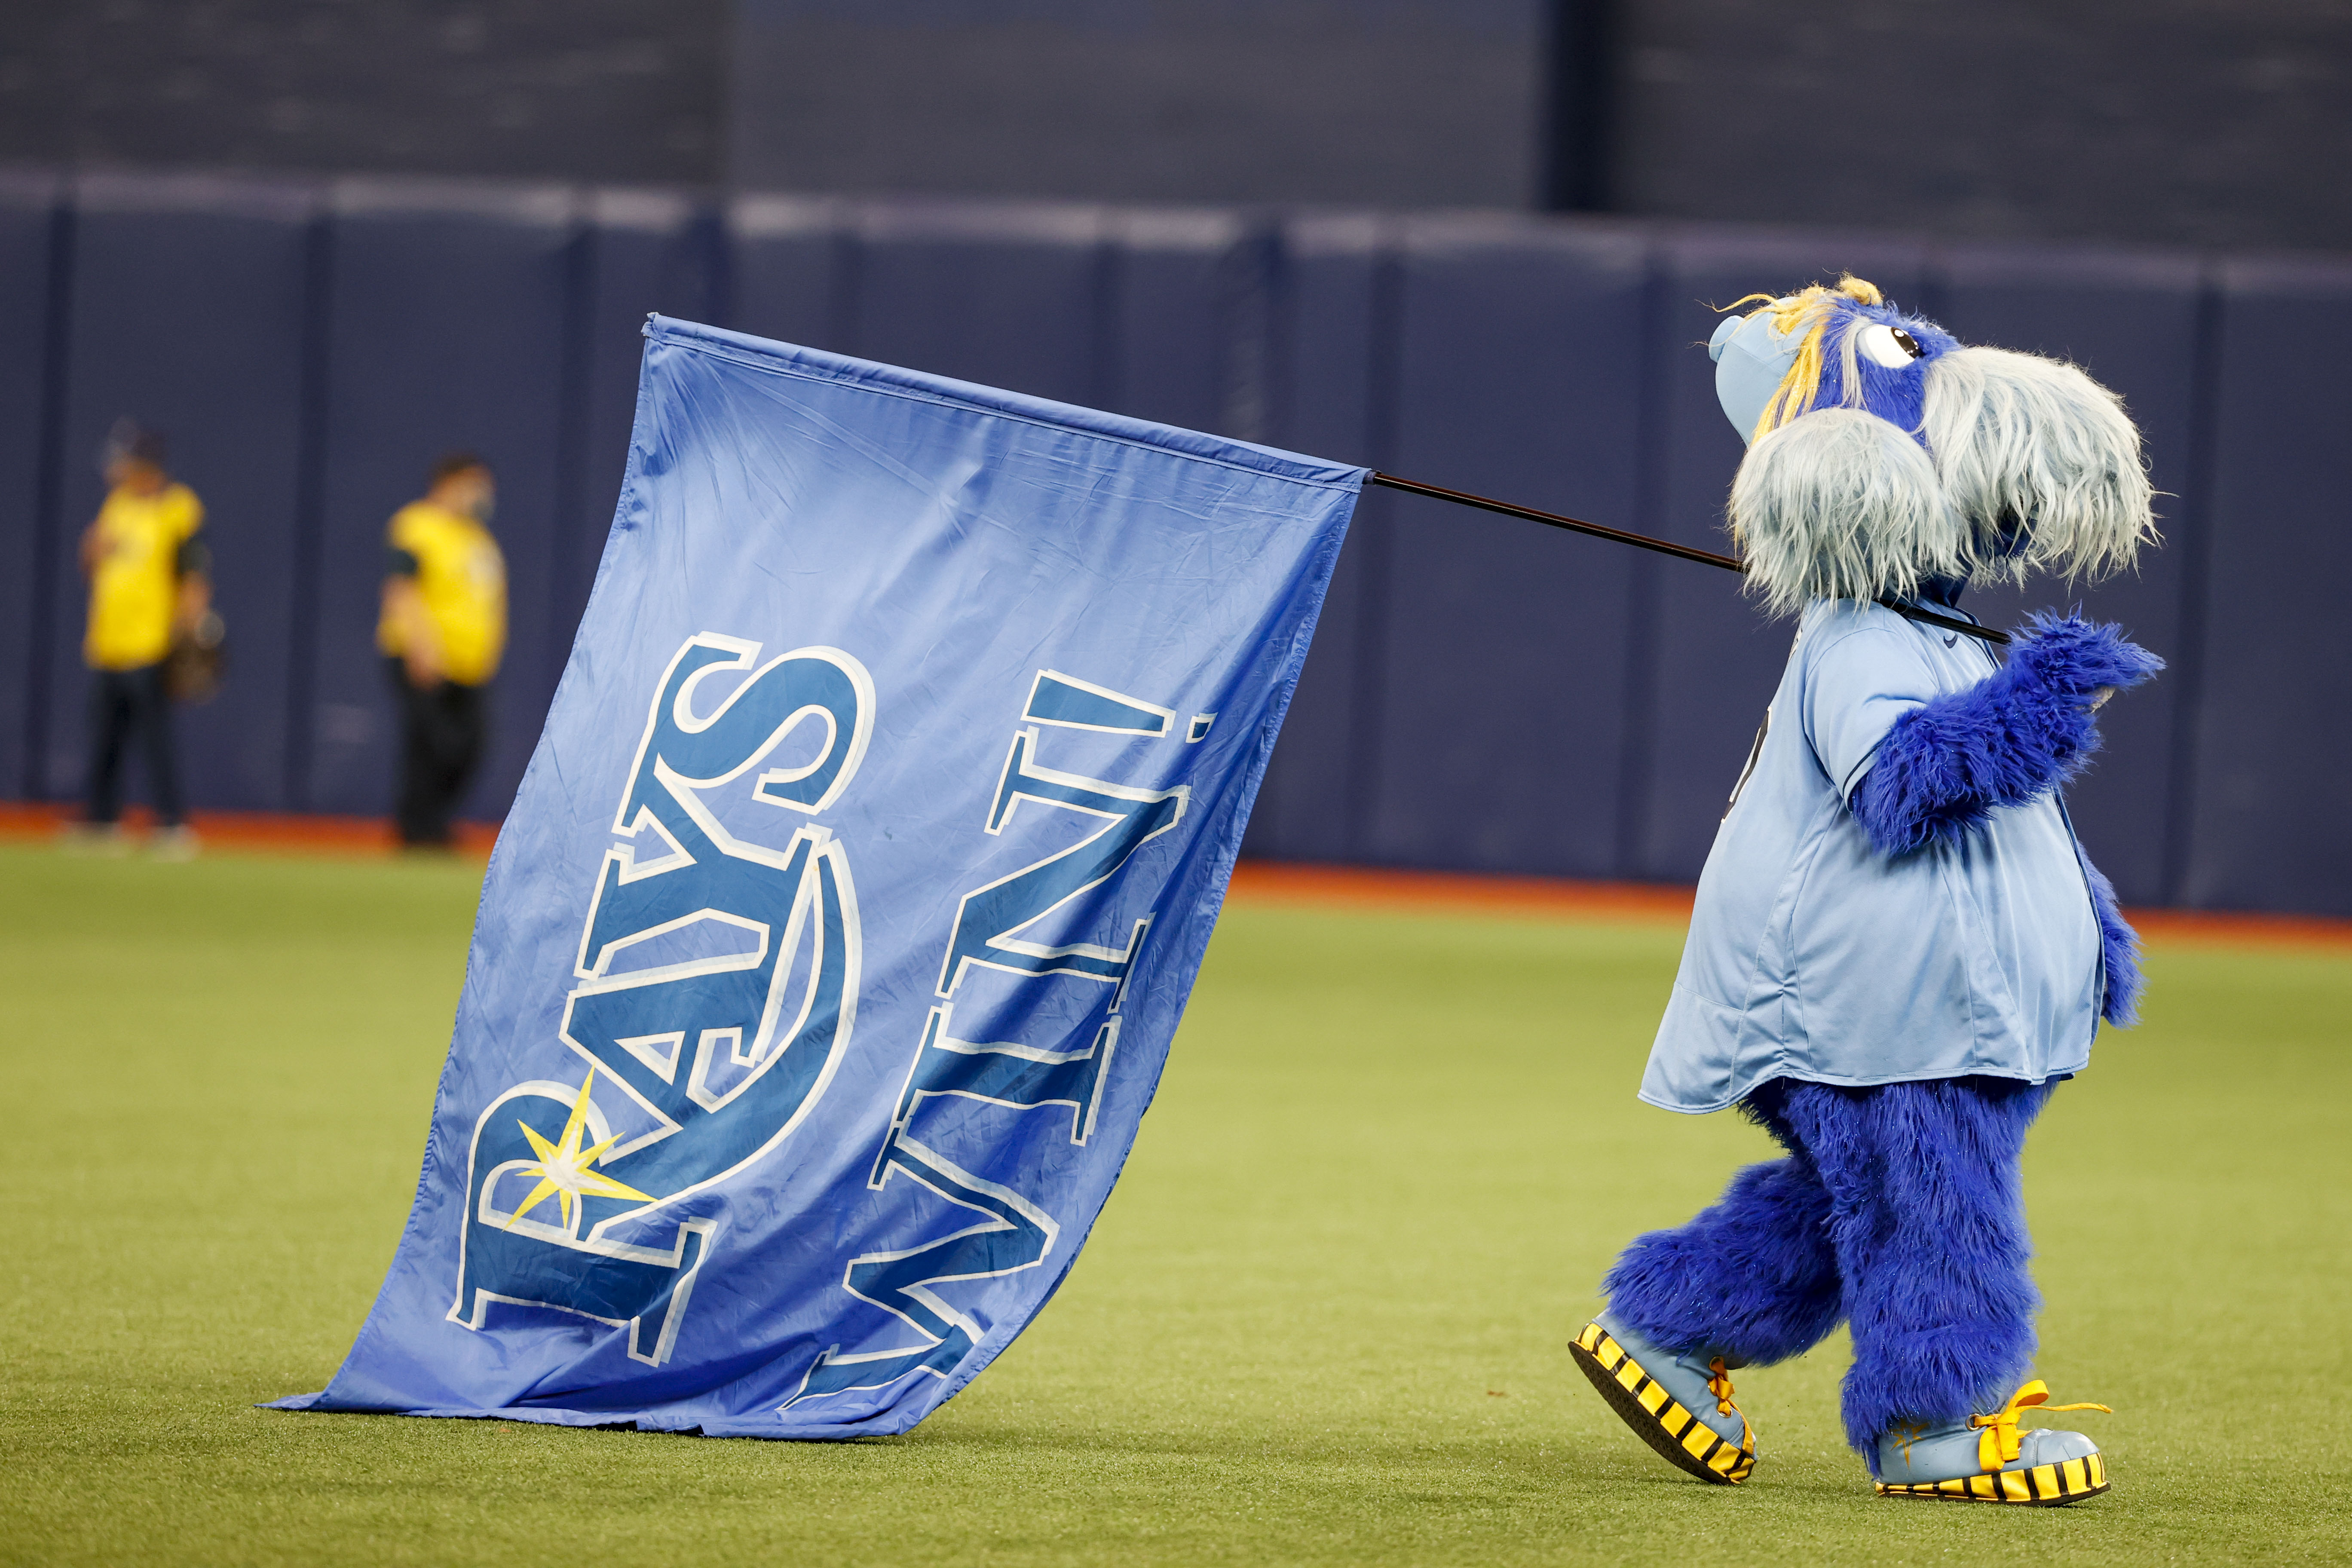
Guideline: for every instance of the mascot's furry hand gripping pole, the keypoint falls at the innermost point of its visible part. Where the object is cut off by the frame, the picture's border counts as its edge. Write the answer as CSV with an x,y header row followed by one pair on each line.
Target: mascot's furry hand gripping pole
x,y
1899,948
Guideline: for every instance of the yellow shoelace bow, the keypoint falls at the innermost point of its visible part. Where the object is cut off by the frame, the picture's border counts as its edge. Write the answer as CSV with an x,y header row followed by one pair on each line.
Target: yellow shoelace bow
x,y
2002,1441
1719,1382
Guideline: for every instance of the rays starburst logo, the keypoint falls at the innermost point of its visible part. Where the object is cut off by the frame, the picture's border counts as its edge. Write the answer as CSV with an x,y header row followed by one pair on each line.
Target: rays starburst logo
x,y
563,1170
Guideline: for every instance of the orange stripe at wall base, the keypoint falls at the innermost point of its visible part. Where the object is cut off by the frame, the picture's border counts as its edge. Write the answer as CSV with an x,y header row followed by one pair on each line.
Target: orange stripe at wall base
x,y
282,832
1380,889
1362,889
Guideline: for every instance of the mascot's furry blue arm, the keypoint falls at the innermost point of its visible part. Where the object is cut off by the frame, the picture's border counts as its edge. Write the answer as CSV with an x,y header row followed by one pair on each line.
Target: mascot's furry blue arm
x,y
1898,947
2022,733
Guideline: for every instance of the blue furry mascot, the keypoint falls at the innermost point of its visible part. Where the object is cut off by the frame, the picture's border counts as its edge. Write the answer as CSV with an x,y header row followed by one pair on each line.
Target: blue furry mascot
x,y
1898,949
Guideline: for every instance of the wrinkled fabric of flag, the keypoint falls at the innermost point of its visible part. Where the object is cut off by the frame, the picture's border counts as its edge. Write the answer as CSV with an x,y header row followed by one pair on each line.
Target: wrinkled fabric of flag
x,y
833,949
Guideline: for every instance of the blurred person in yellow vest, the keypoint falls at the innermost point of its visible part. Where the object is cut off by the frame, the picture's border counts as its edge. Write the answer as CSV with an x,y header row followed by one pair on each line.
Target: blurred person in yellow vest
x,y
442,629
149,585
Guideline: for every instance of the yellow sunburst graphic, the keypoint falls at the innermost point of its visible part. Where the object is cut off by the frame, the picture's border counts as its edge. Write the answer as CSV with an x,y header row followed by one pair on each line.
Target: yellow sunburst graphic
x,y
562,1169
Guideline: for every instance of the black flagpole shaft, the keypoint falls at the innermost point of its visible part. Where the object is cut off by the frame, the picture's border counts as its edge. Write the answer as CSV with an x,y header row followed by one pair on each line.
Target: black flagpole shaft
x,y
1553,518
1664,547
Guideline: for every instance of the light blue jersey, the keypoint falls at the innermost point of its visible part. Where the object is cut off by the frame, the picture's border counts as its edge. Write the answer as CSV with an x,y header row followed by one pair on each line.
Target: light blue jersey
x,y
1815,955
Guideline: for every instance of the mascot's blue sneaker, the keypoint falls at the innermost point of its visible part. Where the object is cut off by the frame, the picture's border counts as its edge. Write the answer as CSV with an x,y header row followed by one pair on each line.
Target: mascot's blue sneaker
x,y
1987,1459
1680,1406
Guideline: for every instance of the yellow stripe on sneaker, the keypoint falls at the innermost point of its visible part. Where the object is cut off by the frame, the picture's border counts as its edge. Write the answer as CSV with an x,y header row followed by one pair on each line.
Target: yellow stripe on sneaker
x,y
2060,1481
1679,1426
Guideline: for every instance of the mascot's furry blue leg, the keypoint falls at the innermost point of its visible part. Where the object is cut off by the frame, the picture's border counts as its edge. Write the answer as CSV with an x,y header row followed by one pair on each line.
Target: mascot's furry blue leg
x,y
1753,1277
1898,1210
1927,1218
1898,947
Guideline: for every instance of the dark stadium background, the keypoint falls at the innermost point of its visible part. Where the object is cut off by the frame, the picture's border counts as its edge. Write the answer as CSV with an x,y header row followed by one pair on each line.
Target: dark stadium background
x,y
1468,241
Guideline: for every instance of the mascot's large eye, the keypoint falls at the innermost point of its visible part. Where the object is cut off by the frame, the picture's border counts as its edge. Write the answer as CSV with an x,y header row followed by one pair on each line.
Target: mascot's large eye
x,y
1890,346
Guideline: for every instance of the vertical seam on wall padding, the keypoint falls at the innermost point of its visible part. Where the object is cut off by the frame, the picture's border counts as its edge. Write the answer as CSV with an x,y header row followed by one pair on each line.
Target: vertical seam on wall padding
x,y
1581,54
709,253
309,506
48,491
2195,541
1274,356
577,355
1637,769
1107,286
1933,286
1367,726
1279,363
844,280
1245,307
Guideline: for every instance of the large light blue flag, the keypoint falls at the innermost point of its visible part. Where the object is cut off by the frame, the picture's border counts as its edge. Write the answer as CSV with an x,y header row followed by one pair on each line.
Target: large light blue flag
x,y
832,950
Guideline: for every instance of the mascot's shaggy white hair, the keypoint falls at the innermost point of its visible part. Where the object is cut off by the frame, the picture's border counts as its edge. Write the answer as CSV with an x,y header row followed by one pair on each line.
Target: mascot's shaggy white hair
x,y
1973,465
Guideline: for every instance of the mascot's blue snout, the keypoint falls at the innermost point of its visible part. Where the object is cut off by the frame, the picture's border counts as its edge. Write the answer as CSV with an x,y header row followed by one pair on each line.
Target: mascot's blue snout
x,y
1879,358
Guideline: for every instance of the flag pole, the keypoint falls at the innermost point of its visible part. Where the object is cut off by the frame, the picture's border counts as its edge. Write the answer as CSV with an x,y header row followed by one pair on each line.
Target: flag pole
x,y
1664,547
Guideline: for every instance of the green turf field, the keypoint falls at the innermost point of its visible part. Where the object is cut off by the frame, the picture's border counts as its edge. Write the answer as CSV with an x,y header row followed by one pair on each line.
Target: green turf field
x,y
1323,1320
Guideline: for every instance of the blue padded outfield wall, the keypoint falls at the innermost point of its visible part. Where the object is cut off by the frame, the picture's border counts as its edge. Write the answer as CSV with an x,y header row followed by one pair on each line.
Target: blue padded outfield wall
x,y
1483,694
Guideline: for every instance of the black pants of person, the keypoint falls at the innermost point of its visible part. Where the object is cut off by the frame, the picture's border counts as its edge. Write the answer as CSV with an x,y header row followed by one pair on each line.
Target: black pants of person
x,y
442,732
127,705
